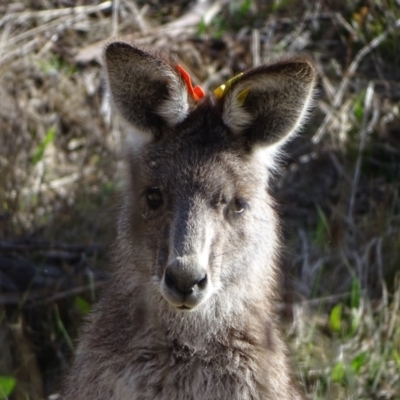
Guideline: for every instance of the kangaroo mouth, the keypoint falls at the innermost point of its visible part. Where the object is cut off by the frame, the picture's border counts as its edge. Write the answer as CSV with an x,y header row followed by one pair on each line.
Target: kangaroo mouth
x,y
183,307
184,301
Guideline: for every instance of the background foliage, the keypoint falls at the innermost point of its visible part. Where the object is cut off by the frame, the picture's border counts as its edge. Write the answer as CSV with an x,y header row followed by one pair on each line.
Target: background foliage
x,y
338,191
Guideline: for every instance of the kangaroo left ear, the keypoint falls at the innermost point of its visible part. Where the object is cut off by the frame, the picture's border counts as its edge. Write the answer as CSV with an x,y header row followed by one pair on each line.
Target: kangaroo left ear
x,y
266,105
146,89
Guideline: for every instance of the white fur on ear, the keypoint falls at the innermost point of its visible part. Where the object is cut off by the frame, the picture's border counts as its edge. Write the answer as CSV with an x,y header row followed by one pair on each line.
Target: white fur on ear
x,y
174,109
235,114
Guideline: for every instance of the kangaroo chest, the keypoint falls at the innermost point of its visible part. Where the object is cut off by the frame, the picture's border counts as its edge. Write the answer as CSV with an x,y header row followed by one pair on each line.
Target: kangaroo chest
x,y
184,373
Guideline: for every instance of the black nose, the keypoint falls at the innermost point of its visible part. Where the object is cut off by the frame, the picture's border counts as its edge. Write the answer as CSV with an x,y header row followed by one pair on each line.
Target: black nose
x,y
185,280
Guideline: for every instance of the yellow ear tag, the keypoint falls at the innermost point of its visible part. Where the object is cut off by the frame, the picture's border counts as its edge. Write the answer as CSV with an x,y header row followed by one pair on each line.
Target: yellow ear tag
x,y
241,97
220,90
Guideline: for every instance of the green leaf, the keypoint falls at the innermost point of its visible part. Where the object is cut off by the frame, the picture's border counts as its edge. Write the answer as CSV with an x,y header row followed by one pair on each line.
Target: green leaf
x,y
201,28
39,152
355,293
358,107
335,318
7,385
358,362
358,110
396,356
55,65
245,7
356,315
62,329
279,4
338,372
322,231
82,305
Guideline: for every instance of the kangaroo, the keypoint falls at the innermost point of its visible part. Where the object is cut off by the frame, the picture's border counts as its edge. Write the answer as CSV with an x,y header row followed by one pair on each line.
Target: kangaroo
x,y
190,311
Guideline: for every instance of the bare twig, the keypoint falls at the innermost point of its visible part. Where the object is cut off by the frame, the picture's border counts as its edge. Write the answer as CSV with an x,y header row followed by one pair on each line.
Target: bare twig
x,y
42,245
114,19
138,16
183,27
255,48
42,297
349,74
47,15
365,128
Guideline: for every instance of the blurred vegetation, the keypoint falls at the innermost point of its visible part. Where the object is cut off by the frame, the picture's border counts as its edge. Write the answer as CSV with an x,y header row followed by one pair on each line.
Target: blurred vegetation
x,y
338,191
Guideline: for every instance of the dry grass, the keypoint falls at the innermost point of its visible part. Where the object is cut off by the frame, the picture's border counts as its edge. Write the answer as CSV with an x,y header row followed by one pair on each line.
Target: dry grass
x,y
339,188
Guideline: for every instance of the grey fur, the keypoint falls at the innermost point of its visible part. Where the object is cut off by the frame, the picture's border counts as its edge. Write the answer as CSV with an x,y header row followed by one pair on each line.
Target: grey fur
x,y
210,246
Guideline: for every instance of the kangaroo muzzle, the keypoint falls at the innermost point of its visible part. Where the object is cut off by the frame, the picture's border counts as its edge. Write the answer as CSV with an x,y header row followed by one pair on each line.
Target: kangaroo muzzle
x,y
186,282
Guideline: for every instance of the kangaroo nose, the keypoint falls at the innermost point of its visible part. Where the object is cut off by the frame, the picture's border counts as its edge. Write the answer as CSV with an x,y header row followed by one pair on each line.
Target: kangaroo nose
x,y
183,280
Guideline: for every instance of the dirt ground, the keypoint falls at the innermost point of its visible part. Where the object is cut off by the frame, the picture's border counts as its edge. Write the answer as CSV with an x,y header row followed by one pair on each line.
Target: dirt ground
x,y
338,189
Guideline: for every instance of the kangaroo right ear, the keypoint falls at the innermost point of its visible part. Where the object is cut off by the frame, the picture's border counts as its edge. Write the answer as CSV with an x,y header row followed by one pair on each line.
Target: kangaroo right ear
x,y
146,90
266,105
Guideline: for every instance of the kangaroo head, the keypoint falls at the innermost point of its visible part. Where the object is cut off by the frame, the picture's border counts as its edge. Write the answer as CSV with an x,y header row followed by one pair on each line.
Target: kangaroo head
x,y
198,222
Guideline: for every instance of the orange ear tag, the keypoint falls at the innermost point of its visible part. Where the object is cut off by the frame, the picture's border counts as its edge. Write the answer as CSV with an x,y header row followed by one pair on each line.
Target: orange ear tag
x,y
196,92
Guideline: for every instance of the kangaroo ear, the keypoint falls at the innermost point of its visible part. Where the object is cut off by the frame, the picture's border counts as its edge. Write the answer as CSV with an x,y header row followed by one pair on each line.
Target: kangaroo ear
x,y
266,105
145,89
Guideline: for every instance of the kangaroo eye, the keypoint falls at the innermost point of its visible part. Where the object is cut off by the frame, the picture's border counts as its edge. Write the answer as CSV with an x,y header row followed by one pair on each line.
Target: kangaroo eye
x,y
154,197
239,206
